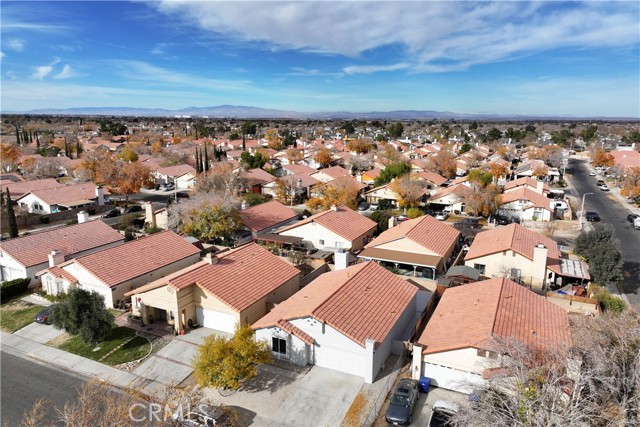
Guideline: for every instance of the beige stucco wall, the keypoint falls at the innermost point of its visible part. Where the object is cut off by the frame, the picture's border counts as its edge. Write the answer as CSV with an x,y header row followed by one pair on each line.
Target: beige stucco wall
x,y
315,232
466,360
501,263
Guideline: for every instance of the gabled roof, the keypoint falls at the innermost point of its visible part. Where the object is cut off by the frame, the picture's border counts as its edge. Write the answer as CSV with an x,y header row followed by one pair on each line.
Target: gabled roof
x,y
240,278
303,178
362,302
459,190
66,193
258,176
525,193
343,221
35,248
347,181
266,215
63,274
432,177
516,238
526,181
334,172
176,170
119,264
18,189
436,236
470,316
294,169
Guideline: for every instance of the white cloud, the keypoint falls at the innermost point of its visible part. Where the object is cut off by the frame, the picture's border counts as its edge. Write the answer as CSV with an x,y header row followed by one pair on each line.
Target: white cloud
x,y
368,69
2,55
44,70
433,36
159,49
301,71
15,44
66,73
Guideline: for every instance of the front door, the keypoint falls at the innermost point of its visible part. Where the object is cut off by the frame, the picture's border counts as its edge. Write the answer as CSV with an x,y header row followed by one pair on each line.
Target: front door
x,y
162,315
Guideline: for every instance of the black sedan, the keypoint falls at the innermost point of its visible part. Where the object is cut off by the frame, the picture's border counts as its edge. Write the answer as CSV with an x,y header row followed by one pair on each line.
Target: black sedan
x,y
111,214
632,217
44,314
403,402
592,216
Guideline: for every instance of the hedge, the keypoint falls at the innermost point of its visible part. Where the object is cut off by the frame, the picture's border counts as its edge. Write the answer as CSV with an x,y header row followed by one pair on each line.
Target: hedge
x,y
14,287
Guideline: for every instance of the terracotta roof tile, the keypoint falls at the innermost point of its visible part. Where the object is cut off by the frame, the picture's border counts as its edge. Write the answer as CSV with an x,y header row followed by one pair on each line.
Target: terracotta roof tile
x,y
516,238
436,236
459,190
63,274
362,302
240,277
67,193
35,248
258,176
294,330
20,188
469,316
343,221
176,170
334,172
525,193
137,257
432,177
266,215
294,169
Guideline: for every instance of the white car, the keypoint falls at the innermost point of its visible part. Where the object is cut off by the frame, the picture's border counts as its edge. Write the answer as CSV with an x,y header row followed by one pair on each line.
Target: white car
x,y
604,187
442,216
592,174
441,413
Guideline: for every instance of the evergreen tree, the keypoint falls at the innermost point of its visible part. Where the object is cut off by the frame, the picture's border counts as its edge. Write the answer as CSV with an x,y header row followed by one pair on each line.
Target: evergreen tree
x,y
83,313
11,217
244,142
206,158
78,149
197,162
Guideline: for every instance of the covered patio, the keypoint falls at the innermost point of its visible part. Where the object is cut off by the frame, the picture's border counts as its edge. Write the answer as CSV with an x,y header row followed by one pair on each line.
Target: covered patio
x,y
405,263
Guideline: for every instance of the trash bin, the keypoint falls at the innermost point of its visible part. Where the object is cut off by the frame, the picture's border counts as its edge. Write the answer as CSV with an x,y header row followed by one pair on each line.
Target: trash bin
x,y
423,384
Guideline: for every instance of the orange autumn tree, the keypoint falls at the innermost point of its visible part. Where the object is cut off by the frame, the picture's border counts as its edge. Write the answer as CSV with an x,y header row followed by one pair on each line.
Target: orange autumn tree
x,y
131,177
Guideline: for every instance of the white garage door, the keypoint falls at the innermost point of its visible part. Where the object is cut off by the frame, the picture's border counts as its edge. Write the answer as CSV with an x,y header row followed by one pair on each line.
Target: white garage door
x,y
340,360
216,320
452,379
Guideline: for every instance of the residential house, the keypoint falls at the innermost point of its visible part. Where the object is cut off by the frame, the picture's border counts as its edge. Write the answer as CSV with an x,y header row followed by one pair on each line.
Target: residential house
x,y
532,184
421,247
221,292
183,176
461,342
21,188
336,228
329,174
24,256
349,320
266,217
450,199
56,199
260,181
525,204
516,252
432,179
115,271
369,177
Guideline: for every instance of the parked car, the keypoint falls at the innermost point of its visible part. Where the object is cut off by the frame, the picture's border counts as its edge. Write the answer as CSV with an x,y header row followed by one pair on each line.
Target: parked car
x,y
604,187
592,216
112,214
442,216
168,187
592,173
471,222
441,413
403,402
401,218
133,209
373,207
632,217
44,314
204,415
363,206
503,220
599,182
636,223
182,195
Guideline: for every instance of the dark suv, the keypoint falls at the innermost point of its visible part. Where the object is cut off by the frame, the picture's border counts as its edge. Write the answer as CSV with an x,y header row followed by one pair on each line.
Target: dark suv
x,y
403,402
592,216
133,209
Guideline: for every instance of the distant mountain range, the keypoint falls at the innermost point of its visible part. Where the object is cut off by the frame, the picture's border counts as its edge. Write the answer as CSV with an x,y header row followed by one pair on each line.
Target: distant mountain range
x,y
246,112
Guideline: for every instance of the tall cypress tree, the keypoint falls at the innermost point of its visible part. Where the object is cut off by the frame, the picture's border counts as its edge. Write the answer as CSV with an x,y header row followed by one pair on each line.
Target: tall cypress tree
x,y
197,162
78,149
11,217
206,158
244,142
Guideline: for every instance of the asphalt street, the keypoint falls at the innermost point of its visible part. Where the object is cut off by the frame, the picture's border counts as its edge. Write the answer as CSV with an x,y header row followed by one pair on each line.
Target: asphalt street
x,y
24,381
612,212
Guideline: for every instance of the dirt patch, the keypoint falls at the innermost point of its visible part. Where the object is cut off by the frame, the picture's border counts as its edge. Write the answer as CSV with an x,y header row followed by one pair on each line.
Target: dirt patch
x,y
59,340
15,305
352,418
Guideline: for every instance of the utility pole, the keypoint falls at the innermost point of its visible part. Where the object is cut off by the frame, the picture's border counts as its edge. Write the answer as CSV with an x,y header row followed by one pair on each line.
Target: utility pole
x,y
582,210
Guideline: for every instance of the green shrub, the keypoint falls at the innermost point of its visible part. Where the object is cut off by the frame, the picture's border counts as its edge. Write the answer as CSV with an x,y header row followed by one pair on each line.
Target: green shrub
x,y
14,287
414,213
607,301
151,230
71,221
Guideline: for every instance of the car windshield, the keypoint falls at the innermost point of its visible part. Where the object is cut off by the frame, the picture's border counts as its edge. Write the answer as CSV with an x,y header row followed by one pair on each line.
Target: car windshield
x,y
399,400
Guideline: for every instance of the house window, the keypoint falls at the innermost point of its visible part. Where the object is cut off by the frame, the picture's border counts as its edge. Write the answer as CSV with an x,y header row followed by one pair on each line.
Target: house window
x,y
515,272
278,345
479,267
321,242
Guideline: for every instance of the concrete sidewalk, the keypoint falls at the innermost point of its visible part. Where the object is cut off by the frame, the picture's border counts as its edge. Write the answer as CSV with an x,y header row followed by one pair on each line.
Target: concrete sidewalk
x,y
26,348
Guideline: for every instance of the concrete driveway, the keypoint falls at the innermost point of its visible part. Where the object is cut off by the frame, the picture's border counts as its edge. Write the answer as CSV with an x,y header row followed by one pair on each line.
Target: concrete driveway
x,y
172,364
39,333
286,395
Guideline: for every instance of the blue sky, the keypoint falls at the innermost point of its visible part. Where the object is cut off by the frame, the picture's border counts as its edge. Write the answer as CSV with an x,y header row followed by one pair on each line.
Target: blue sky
x,y
509,57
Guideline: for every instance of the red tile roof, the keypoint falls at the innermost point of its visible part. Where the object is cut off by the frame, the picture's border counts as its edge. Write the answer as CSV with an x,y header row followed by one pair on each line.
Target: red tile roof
x,y
432,177
525,193
294,169
292,329
334,172
241,277
119,264
34,249
436,236
266,215
176,170
516,238
20,188
67,193
63,274
345,222
362,302
626,158
258,176
526,181
469,316
459,190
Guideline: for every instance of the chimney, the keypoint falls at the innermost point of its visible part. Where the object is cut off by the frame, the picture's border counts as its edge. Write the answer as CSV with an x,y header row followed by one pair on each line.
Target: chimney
x,y
149,214
83,217
243,205
392,222
540,187
210,259
539,264
341,259
100,195
55,258
334,208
